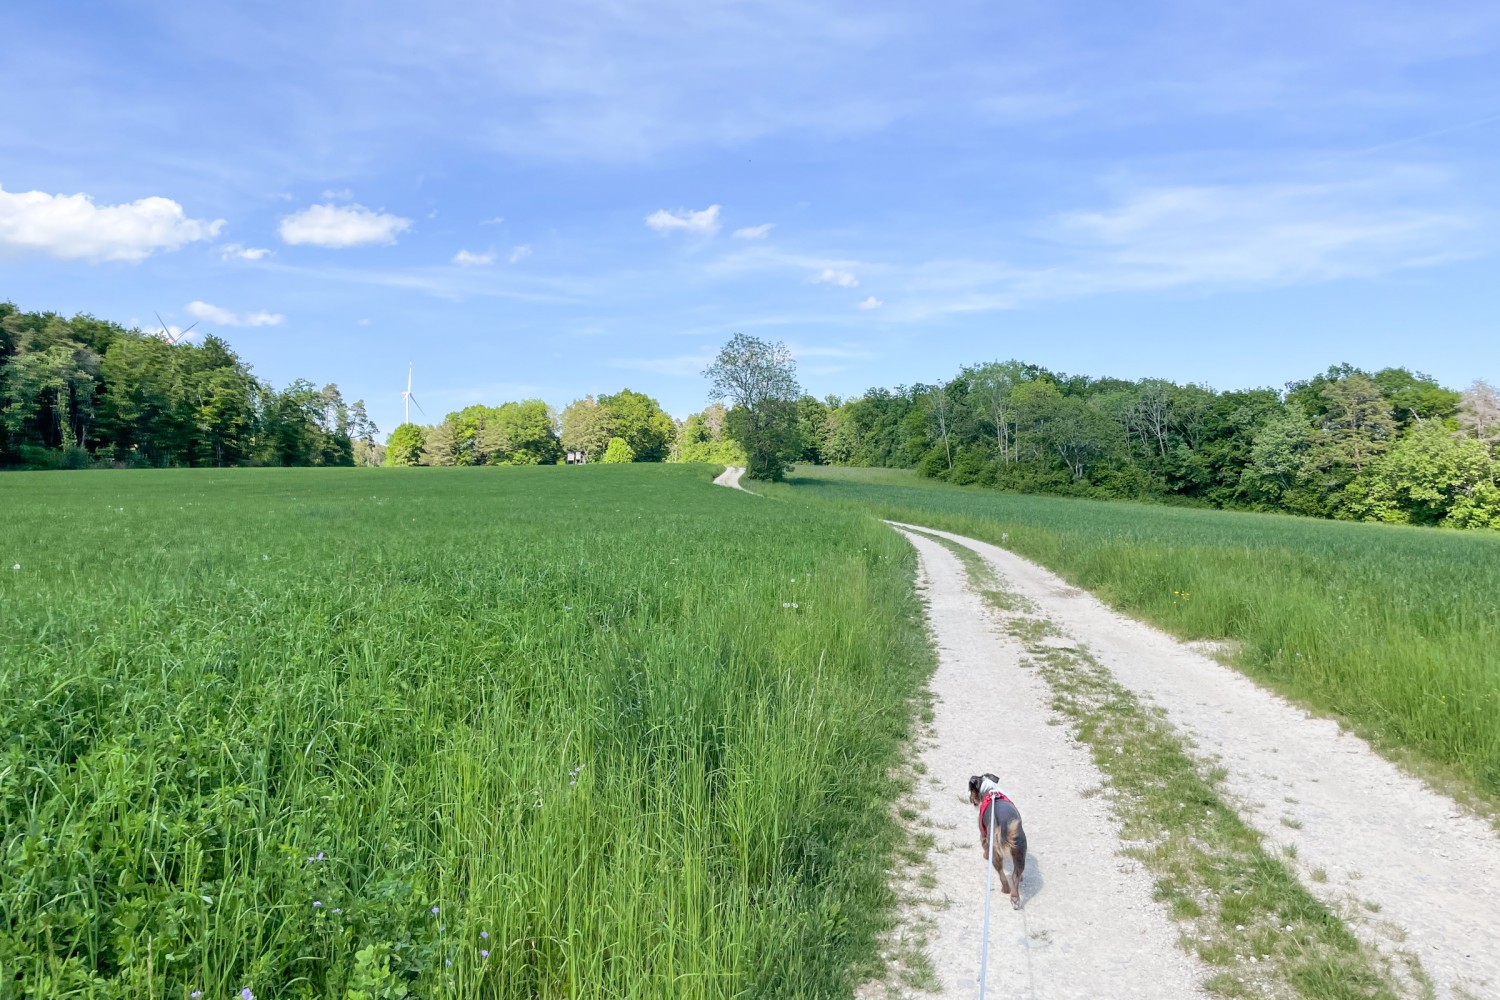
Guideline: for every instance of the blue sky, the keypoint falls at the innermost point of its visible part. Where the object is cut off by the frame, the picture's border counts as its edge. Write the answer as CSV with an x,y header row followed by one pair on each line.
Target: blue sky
x,y
554,199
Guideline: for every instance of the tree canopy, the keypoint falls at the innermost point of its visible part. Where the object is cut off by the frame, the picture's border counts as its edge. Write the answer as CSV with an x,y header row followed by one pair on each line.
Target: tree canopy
x,y
759,379
82,391
1390,445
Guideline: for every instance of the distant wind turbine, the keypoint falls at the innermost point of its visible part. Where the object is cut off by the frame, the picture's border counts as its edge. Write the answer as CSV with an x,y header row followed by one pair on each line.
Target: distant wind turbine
x,y
168,335
409,398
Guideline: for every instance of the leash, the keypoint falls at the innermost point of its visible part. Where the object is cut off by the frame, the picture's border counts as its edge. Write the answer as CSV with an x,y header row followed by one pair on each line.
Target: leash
x,y
984,947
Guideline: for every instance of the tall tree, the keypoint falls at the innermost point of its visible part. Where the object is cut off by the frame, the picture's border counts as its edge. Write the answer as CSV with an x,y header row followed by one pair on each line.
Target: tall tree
x,y
362,431
587,427
760,379
1357,422
1479,412
440,445
641,421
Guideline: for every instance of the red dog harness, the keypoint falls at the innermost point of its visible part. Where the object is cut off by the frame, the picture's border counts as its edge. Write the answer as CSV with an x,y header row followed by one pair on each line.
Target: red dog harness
x,y
989,798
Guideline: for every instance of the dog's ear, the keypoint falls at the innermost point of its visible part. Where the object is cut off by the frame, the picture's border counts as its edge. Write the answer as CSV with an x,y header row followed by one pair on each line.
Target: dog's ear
x,y
974,782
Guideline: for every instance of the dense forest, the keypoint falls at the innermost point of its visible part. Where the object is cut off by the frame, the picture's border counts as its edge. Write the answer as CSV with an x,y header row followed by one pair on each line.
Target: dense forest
x,y
1391,445
82,392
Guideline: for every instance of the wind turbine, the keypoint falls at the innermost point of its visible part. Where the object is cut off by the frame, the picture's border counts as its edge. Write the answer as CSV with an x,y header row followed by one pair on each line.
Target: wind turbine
x,y
409,398
167,335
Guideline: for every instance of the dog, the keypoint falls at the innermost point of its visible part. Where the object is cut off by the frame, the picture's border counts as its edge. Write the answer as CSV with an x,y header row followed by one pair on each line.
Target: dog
x,y
1010,837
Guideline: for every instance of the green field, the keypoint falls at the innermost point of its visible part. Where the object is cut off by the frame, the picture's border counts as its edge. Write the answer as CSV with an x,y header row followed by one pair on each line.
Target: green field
x,y
321,733
1396,630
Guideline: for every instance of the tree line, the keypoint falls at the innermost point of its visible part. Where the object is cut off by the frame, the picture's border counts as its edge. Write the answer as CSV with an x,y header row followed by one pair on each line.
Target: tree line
x,y
84,392
1391,445
626,426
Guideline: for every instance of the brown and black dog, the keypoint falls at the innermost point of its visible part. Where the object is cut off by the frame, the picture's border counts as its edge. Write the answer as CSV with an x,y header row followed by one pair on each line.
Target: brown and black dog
x,y
1010,838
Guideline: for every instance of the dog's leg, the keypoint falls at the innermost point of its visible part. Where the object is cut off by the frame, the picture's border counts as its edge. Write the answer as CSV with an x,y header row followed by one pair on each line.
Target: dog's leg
x,y
1000,854
1018,865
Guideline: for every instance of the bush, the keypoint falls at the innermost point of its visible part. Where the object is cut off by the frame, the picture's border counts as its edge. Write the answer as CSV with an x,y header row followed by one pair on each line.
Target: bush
x,y
618,453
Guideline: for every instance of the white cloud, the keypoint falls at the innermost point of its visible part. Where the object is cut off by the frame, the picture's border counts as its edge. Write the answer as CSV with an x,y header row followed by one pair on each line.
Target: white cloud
x,y
759,232
466,259
72,227
496,221
223,317
333,226
702,223
343,194
519,254
236,251
871,303
833,276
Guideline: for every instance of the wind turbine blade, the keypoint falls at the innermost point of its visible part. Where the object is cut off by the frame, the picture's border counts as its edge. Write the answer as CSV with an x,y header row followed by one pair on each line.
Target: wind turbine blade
x,y
417,405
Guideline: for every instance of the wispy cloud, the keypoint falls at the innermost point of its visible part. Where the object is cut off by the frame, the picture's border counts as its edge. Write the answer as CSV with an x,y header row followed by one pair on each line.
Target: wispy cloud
x,y
1213,238
677,366
871,303
224,317
466,259
237,251
834,276
518,254
342,194
72,227
759,232
701,223
339,227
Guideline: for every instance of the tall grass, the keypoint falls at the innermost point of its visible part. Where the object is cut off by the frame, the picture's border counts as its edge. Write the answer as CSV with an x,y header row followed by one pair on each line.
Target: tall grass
x,y
1395,629
324,733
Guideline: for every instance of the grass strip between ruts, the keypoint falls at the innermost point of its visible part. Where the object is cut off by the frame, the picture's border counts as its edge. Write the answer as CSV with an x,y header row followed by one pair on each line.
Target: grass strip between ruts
x,y
1243,911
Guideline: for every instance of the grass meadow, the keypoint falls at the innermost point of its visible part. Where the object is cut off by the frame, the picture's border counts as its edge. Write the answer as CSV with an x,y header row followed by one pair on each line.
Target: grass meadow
x,y
556,732
1394,629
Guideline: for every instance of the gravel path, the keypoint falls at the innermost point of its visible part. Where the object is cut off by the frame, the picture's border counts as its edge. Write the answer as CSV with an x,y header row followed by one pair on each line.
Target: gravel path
x,y
1410,869
1089,927
731,477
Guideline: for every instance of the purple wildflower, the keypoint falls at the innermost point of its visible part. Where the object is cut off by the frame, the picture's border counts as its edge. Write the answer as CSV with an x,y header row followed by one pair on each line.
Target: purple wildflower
x,y
195,995
317,903
485,935
483,953
245,994
434,911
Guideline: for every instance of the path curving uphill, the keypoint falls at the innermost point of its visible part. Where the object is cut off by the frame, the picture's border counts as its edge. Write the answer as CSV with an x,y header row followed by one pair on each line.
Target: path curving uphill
x,y
1089,927
1411,870
731,477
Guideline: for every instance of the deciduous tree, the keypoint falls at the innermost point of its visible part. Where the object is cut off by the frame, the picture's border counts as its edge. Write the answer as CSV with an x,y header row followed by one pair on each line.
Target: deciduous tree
x,y
760,380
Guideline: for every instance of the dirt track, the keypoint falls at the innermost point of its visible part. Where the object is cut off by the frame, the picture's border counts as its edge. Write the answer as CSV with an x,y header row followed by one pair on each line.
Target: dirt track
x,y
1089,927
731,477
1408,868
